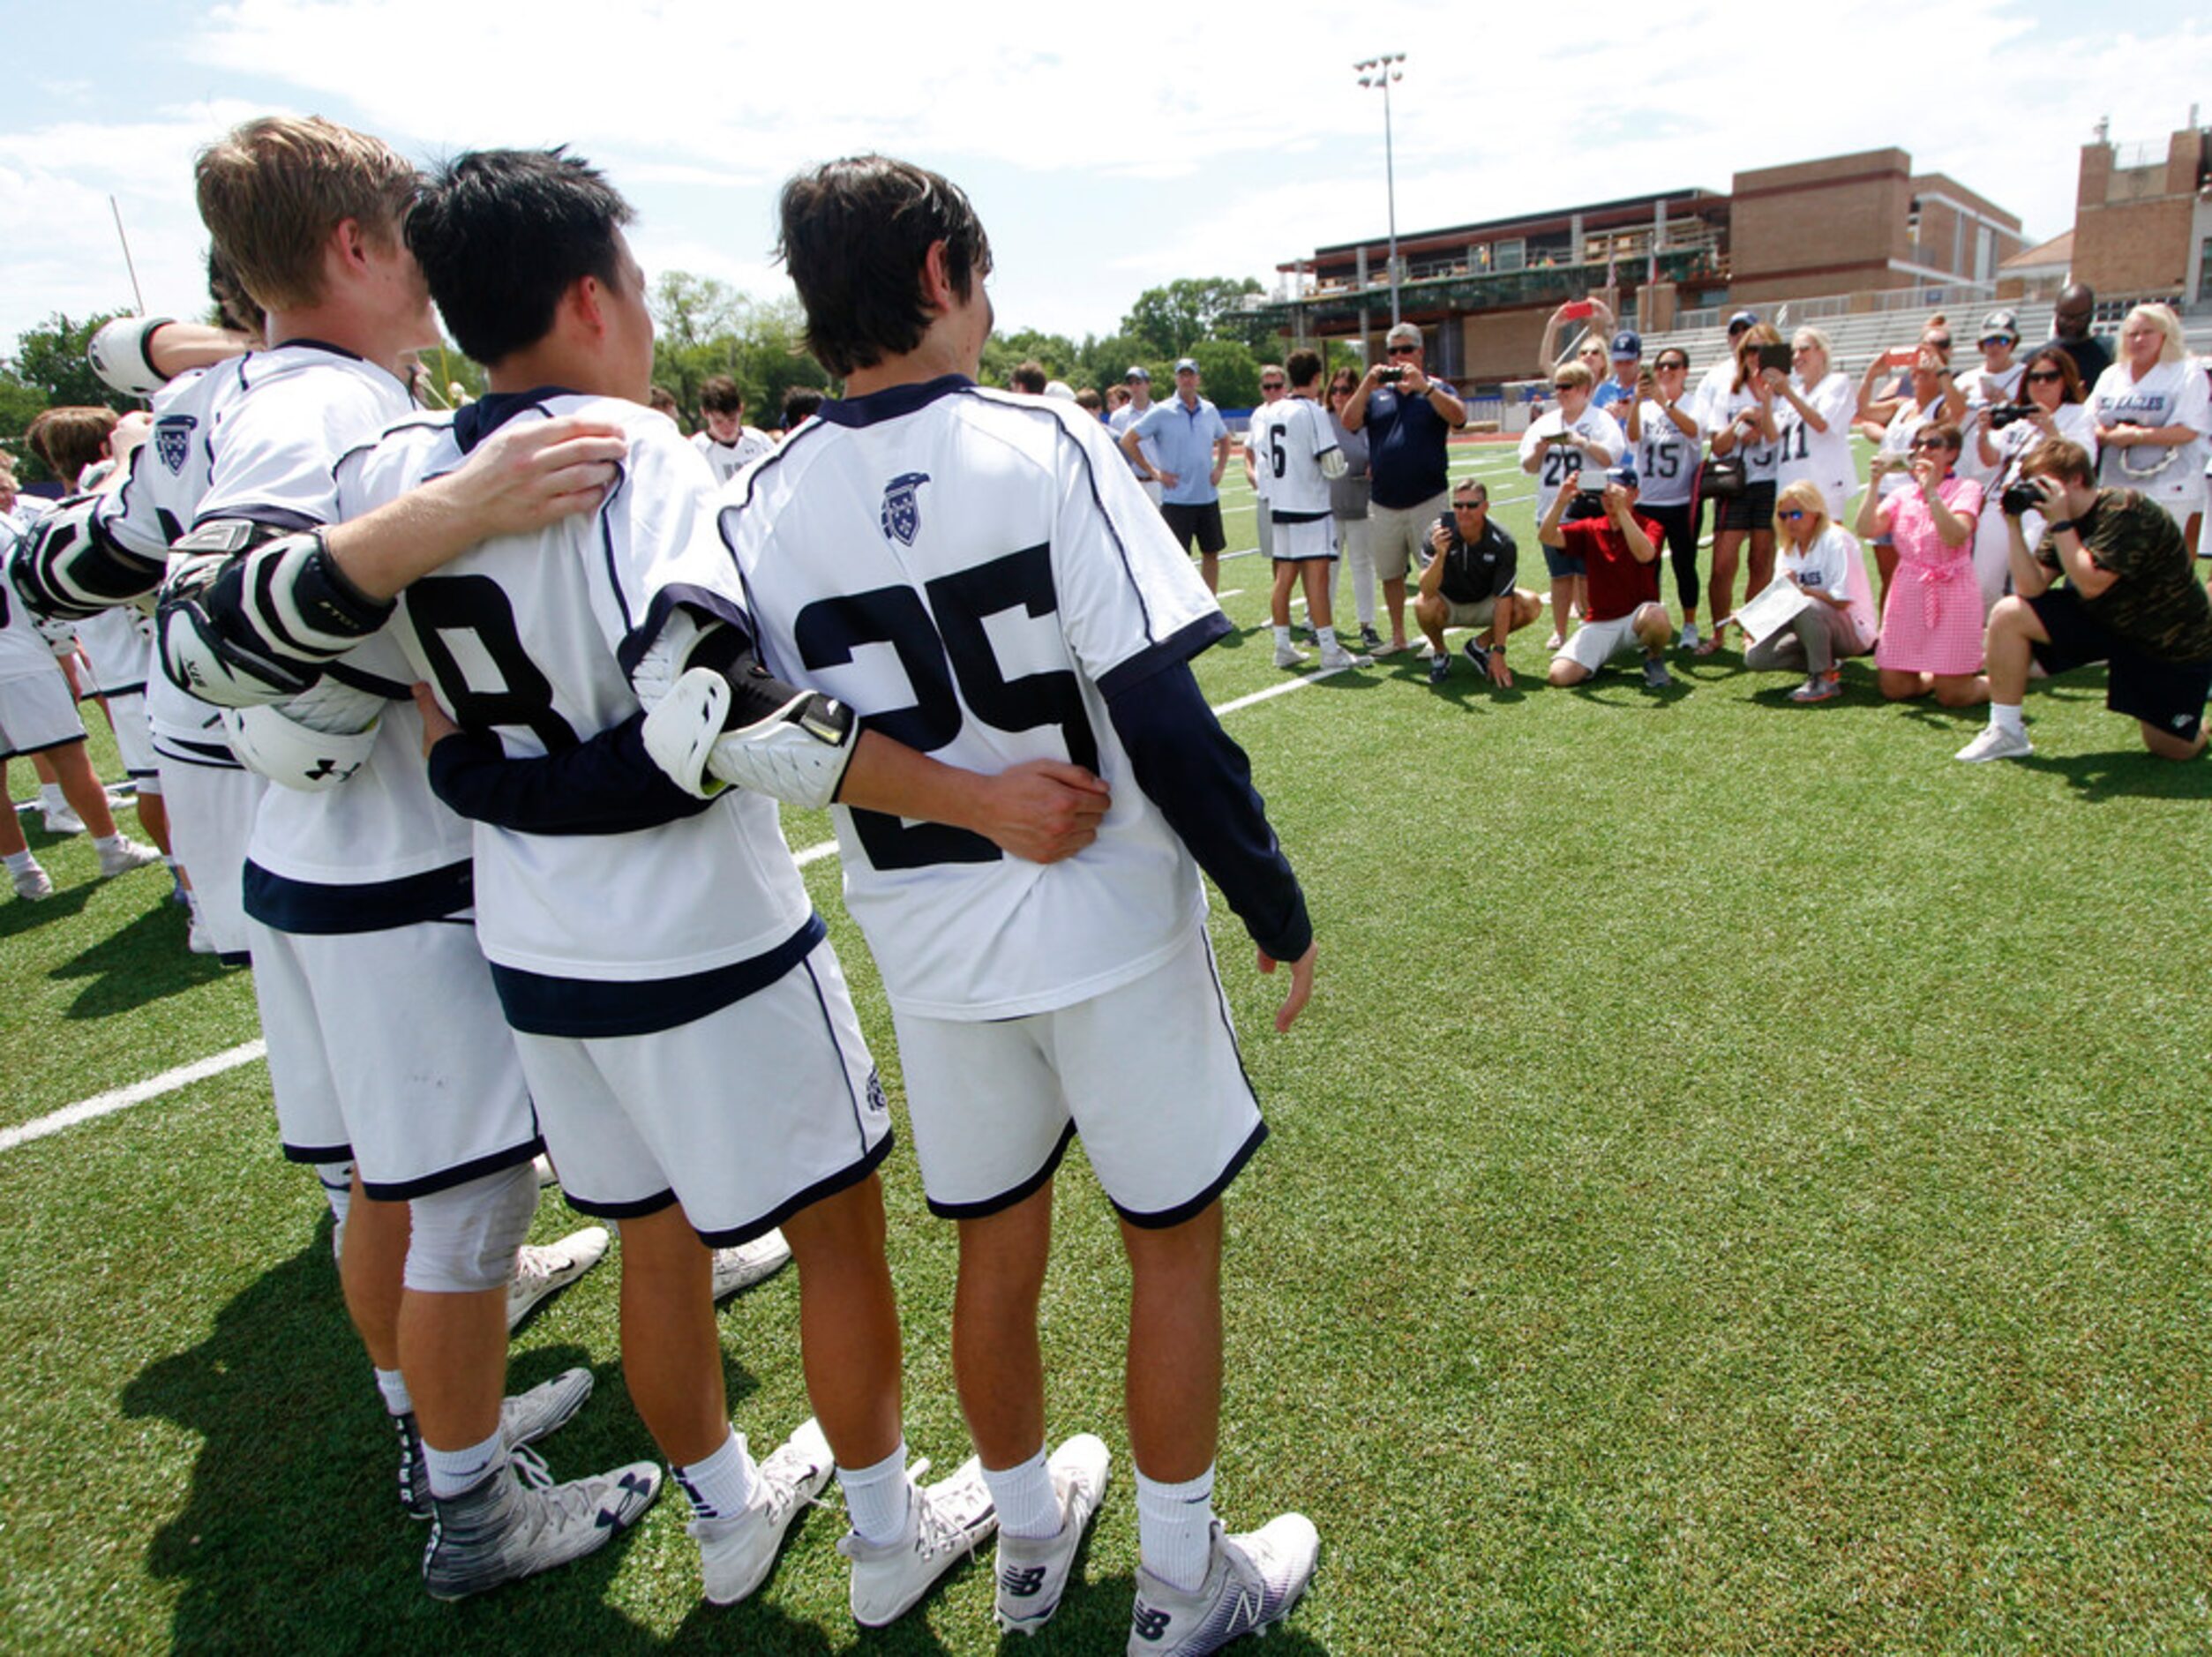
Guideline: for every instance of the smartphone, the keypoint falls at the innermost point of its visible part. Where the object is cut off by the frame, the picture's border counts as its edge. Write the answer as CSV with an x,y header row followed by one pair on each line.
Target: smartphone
x,y
1591,480
1774,356
1578,309
1901,356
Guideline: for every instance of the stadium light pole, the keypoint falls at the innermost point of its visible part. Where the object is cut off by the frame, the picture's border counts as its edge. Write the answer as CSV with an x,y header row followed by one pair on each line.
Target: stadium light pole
x,y
1381,71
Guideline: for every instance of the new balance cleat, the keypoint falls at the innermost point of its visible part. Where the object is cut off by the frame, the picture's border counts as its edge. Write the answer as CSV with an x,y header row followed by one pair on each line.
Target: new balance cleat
x,y
1370,640
744,1264
735,1552
945,1523
524,1419
518,1522
1289,655
1474,652
121,856
1337,660
1439,668
1252,1581
1993,744
1033,1573
61,819
33,883
542,1270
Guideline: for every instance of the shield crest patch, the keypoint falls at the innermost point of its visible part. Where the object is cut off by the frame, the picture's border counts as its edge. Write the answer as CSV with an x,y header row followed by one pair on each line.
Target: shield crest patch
x,y
902,514
173,440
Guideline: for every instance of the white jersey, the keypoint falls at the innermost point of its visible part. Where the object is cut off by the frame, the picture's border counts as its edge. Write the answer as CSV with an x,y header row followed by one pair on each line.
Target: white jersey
x,y
1298,435
1762,459
1820,458
119,644
526,638
2171,395
1666,455
727,460
1560,465
973,572
23,651
1258,443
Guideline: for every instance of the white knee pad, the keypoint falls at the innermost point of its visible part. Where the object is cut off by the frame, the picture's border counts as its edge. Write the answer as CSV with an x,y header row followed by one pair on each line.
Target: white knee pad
x,y
462,1240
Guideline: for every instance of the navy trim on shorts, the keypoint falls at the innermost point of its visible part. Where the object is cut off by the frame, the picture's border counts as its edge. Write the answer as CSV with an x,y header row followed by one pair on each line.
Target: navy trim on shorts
x,y
445,1178
241,958
318,1153
542,1004
1295,517
211,756
43,747
1198,1204
1179,646
110,692
637,1210
844,1180
316,909
1013,1195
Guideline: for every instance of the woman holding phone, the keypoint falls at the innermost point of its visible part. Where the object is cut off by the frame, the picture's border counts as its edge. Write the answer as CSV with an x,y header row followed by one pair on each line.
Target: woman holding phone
x,y
1744,427
1931,615
1816,406
1665,439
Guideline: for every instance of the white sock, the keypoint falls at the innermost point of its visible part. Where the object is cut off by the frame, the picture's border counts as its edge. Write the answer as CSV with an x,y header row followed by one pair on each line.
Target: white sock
x,y
1024,1498
21,862
1282,637
108,842
453,1472
50,798
336,1177
1174,1528
720,1487
875,1496
397,1400
2006,716
1328,637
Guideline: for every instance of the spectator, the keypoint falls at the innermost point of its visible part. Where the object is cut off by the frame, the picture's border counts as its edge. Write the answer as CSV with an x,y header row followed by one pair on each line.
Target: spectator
x,y
1193,448
1117,398
1348,505
663,400
2131,599
1091,404
1928,397
1665,441
1627,355
2070,322
1300,458
1744,427
1136,395
725,438
1469,583
2153,415
1931,613
799,404
1931,352
1598,323
1815,421
1995,384
1028,378
1713,385
1556,450
1408,418
1821,558
1257,472
1620,548
2051,394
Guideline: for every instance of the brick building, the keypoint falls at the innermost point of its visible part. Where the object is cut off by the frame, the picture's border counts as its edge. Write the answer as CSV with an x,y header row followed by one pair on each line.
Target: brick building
x,y
2142,221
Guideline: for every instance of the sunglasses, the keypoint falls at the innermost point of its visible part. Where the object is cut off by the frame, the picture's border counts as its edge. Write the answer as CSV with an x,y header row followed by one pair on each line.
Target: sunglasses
x,y
1271,385
1470,505
1672,368
1931,443
1790,516
2047,376
1997,339
1404,351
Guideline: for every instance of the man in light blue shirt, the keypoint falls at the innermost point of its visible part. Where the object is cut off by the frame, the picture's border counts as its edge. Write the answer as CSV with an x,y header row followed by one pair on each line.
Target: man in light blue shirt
x,y
1139,382
1190,447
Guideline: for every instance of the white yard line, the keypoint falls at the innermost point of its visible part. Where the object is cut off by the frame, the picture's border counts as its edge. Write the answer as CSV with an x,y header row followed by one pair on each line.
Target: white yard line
x,y
123,1098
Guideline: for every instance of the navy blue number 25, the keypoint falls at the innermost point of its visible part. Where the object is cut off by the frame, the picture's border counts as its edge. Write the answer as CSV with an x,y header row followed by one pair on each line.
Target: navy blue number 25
x,y
954,649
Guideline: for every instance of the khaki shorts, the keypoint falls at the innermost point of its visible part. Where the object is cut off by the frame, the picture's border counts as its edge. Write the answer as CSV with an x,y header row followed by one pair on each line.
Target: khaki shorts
x,y
1398,537
1458,615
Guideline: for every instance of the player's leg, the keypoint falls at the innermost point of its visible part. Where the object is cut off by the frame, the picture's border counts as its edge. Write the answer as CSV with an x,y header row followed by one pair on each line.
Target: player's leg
x,y
1173,1376
29,880
1284,576
671,1352
80,787
996,1359
1313,574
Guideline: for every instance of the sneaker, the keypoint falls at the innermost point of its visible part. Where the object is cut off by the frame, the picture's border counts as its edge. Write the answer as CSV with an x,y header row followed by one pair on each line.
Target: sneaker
x,y
1474,652
1818,687
1439,668
518,1522
1655,674
735,1552
1556,641
542,1270
60,820
1688,635
524,1419
1337,660
945,1523
125,855
1033,1573
1370,640
198,939
745,1264
1993,744
1251,1582
33,883
1289,655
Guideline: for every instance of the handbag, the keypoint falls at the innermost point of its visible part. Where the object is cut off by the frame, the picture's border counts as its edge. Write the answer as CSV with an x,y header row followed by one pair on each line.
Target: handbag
x,y
1722,477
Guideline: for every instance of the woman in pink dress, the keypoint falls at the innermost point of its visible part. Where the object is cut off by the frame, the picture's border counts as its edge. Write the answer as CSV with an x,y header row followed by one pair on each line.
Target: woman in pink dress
x,y
1931,617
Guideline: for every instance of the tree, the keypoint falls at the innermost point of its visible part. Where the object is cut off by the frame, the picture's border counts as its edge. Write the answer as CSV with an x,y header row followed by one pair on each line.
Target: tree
x,y
49,370
702,328
1173,320
1228,372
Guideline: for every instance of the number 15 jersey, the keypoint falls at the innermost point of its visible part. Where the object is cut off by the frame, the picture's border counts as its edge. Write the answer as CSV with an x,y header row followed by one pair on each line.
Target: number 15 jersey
x,y
974,573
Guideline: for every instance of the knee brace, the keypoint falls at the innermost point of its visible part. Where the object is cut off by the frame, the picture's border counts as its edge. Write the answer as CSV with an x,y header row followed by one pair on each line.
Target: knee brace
x,y
462,1240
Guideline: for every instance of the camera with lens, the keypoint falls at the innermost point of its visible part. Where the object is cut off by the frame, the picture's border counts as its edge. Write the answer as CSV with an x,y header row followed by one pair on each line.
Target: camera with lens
x,y
2003,413
1390,376
2020,499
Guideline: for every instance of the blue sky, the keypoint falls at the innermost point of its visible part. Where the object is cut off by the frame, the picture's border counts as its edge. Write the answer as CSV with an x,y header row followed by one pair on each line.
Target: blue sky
x,y
1221,143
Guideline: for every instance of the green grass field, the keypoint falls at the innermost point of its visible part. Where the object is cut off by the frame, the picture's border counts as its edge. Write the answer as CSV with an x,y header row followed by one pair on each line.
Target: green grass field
x,y
1740,1186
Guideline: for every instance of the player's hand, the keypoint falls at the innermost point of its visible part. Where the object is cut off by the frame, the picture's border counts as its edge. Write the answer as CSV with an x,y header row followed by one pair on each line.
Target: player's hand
x,y
1302,986
1042,810
129,431
436,726
531,473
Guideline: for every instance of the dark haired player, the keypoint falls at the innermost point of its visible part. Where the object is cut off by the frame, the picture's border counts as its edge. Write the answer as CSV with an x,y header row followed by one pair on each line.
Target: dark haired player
x,y
1035,606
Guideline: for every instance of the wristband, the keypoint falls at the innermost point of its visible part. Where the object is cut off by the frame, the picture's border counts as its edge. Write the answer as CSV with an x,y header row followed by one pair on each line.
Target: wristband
x,y
2065,526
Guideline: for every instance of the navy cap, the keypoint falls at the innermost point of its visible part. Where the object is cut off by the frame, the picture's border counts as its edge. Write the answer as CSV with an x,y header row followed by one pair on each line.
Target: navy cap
x,y
1742,319
1624,475
1627,346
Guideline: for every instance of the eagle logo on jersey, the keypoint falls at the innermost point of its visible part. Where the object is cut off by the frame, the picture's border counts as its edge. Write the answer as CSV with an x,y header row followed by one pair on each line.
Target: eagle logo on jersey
x,y
902,514
173,440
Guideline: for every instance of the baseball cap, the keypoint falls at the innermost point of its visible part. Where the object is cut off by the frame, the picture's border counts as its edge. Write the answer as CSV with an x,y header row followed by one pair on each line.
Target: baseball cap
x,y
1742,320
1137,370
1189,363
1999,325
1627,346
1624,475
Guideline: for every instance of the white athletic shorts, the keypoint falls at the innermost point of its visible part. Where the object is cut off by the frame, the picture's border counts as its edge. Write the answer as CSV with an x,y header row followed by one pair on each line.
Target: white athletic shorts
x,y
134,739
389,1048
1597,642
1147,1074
211,813
1301,540
36,713
744,1116
1265,527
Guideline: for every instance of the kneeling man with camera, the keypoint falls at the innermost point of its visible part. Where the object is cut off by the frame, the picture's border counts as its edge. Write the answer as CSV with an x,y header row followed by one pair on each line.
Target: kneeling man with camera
x,y
1619,552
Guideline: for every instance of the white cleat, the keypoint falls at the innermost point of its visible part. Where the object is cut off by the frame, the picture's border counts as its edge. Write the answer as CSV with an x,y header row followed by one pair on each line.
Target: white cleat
x,y
743,1264
1033,1573
1289,655
1252,1581
1338,659
545,1268
125,855
945,1523
60,820
33,883
735,1554
1992,743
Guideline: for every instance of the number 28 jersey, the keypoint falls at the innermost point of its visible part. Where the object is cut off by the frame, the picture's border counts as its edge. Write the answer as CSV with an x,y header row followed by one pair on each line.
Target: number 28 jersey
x,y
974,573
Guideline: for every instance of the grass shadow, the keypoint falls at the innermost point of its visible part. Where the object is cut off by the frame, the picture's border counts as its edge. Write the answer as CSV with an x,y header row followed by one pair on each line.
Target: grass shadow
x,y
137,964
2120,775
21,915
